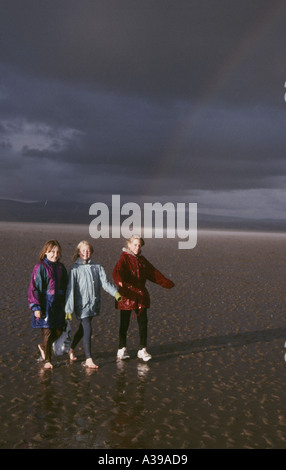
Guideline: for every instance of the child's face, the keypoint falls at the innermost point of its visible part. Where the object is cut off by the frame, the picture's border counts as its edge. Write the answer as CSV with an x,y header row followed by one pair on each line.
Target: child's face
x,y
53,255
85,252
135,246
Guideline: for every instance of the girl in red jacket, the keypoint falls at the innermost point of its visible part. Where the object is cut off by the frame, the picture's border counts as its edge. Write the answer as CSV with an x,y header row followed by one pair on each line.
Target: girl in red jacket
x,y
131,273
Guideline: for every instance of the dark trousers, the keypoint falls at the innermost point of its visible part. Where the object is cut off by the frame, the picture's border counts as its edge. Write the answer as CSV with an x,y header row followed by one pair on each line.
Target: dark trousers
x,y
85,331
48,337
142,321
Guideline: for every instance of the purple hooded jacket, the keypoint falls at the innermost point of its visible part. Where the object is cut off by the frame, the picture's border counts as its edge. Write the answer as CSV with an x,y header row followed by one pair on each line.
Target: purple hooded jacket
x,y
47,292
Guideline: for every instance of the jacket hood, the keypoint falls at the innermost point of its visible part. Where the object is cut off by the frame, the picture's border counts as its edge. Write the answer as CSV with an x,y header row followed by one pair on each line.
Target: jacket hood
x,y
81,262
129,252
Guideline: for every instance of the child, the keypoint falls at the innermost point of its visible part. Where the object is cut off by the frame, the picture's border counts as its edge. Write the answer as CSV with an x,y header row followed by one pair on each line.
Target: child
x,y
46,297
131,272
83,297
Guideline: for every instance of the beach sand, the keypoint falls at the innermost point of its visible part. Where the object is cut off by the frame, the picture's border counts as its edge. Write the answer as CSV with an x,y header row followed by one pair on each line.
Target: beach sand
x,y
217,377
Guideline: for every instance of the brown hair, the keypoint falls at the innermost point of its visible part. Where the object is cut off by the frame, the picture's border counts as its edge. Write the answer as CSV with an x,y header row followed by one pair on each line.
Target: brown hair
x,y
48,246
78,248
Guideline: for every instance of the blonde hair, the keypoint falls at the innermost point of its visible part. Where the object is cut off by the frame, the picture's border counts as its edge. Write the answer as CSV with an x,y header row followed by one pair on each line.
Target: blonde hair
x,y
78,248
48,246
134,237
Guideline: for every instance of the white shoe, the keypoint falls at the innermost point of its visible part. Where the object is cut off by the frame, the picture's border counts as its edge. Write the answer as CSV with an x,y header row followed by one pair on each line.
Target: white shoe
x,y
122,354
142,354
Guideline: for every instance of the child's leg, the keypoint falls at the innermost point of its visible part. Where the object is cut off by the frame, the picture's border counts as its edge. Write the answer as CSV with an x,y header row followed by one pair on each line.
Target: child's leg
x,y
142,320
87,331
40,347
77,337
48,337
46,332
124,325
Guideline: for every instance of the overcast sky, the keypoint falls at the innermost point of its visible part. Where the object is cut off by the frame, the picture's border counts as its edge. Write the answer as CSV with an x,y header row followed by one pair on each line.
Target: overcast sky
x,y
154,100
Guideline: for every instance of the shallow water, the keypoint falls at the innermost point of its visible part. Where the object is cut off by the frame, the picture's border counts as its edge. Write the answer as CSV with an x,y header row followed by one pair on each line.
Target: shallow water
x,y
217,377
202,395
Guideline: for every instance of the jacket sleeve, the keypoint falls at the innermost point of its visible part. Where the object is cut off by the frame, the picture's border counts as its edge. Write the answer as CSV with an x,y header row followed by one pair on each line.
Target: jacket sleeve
x,y
153,275
65,278
106,285
118,272
35,288
69,307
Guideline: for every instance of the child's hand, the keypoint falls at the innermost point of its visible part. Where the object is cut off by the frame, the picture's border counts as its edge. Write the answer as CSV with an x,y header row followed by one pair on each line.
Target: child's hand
x,y
68,316
37,313
168,284
118,297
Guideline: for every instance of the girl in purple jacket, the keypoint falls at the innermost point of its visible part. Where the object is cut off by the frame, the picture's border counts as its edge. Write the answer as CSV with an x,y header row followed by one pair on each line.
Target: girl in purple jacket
x,y
46,297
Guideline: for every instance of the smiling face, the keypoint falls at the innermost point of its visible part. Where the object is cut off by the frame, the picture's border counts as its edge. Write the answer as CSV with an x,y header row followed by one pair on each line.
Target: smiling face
x,y
135,246
85,252
53,255
51,250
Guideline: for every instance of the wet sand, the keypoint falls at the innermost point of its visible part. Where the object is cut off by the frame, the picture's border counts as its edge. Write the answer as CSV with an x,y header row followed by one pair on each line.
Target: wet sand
x,y
217,377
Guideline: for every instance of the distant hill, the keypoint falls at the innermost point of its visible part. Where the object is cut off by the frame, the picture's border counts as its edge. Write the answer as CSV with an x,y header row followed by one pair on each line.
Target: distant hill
x,y
78,213
208,221
50,212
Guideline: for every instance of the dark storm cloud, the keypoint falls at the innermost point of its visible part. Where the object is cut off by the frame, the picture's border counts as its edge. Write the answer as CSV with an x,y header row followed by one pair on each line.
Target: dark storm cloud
x,y
134,97
160,48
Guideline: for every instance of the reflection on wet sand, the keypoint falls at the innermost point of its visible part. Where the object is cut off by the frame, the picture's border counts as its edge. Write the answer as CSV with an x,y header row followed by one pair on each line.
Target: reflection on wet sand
x,y
217,377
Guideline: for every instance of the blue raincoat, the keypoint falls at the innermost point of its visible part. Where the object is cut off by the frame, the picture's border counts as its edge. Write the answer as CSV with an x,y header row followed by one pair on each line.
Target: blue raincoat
x,y
84,286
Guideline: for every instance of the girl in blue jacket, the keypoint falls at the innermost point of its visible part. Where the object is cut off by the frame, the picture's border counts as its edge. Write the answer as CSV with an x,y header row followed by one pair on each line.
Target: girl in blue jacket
x,y
83,297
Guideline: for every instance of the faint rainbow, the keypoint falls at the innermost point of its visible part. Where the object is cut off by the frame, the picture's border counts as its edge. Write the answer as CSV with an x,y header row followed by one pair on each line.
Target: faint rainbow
x,y
247,47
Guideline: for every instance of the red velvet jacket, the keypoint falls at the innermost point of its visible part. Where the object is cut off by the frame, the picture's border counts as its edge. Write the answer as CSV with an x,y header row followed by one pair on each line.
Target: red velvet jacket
x,y
133,272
